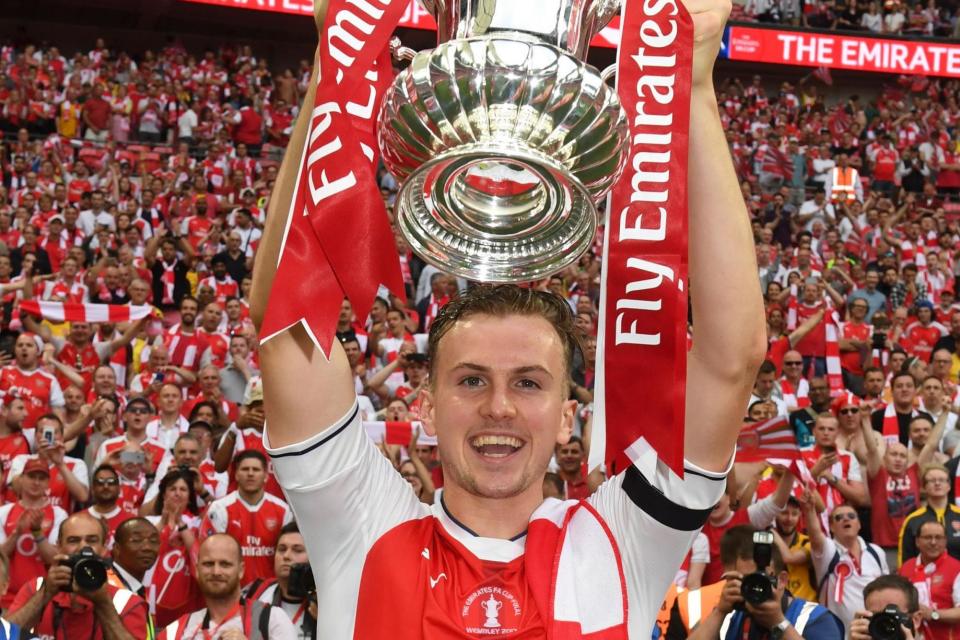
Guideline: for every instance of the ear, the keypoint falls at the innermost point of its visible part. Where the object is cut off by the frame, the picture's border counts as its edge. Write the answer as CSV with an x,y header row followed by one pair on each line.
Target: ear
x,y
427,412
567,412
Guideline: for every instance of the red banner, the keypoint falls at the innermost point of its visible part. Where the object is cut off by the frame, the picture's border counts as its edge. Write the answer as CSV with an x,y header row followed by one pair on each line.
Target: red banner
x,y
644,301
836,51
338,242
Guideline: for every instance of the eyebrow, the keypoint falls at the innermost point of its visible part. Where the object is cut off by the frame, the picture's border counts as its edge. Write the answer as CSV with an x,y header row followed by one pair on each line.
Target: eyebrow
x,y
532,368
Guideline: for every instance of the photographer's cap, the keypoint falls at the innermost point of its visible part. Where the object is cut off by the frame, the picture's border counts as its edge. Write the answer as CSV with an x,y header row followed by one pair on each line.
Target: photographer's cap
x,y
36,465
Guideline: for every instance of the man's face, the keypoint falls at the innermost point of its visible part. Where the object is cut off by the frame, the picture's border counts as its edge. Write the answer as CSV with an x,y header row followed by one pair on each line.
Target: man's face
x,y
80,332
212,314
397,411
920,432
187,452
251,476
936,483
858,310
498,404
844,523
395,322
106,487
35,484
26,352
788,519
825,432
904,389
932,391
79,532
139,548
819,391
136,417
352,349
16,412
810,293
878,600
209,379
219,567
932,540
942,362
188,312
764,384
849,417
290,551
570,457
170,399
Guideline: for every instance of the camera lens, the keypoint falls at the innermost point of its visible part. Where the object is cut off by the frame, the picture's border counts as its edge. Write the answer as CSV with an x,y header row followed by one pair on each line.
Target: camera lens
x,y
756,588
885,626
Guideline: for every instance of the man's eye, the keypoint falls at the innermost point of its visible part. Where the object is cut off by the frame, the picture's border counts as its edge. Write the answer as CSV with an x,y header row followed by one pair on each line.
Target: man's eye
x,y
527,383
471,381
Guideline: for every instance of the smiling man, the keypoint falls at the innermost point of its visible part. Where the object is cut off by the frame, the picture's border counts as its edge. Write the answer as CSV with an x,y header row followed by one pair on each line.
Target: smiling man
x,y
481,559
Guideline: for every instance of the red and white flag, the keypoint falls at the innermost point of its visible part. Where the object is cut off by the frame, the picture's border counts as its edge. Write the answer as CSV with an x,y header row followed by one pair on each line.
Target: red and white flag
x,y
398,433
770,441
79,312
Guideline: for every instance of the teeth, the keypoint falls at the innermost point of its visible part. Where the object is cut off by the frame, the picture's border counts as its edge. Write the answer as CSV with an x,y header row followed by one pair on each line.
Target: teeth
x,y
481,441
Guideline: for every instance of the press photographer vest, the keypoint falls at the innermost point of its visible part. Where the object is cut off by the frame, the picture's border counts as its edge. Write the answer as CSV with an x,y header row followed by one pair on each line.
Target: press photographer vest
x,y
800,613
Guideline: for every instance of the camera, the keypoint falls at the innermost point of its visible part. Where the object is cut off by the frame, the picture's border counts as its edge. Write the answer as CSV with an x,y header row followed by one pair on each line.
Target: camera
x,y
301,584
879,340
886,624
89,570
48,435
758,587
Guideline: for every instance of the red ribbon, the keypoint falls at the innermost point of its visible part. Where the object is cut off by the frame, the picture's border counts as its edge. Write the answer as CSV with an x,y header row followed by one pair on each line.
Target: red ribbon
x,y
644,306
338,242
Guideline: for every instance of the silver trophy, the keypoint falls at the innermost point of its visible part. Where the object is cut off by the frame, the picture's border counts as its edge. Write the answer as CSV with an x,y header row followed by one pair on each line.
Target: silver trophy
x,y
503,138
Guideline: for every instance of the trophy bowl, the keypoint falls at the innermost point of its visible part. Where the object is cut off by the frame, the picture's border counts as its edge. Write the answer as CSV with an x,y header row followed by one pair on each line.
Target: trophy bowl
x,y
503,144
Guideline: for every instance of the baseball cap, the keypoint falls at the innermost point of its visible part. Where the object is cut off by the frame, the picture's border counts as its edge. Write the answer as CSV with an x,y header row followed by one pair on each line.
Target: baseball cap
x,y
254,391
925,304
846,399
57,218
247,191
36,465
417,358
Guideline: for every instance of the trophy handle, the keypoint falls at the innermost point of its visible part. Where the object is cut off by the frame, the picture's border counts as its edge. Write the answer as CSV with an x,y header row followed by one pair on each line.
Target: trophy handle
x,y
608,73
399,52
603,9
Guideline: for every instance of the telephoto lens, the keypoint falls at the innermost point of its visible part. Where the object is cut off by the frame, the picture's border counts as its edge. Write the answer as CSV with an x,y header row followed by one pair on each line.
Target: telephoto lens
x,y
757,588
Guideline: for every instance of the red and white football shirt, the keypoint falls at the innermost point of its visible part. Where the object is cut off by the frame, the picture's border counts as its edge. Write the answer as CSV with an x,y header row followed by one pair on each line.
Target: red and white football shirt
x,y
57,491
252,439
388,566
153,448
25,562
113,519
255,526
38,389
11,446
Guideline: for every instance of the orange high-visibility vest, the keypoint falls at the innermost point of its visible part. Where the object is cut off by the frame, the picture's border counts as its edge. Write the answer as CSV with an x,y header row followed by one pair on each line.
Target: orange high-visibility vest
x,y
843,184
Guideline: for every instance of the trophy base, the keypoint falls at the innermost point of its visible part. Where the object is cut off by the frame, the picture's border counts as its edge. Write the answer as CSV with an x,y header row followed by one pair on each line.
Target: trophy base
x,y
493,213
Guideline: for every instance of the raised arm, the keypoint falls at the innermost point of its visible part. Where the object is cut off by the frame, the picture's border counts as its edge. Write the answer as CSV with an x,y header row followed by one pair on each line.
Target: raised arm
x,y
925,456
728,339
874,457
808,325
303,389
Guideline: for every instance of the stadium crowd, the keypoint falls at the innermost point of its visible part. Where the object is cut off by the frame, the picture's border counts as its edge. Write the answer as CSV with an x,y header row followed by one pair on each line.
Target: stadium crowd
x,y
930,19
145,183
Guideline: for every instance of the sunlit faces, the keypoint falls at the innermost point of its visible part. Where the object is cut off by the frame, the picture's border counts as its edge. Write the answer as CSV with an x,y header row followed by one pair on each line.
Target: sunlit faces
x,y
498,404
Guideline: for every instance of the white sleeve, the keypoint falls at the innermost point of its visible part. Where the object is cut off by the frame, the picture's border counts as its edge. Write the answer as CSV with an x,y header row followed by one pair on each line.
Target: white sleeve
x,y
59,515
955,592
281,628
854,474
700,549
217,515
79,471
4,514
822,561
56,394
345,495
654,516
16,466
763,512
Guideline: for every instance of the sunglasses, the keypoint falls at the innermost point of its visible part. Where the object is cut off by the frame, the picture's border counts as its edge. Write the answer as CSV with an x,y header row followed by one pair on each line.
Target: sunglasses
x,y
792,364
143,411
106,482
849,412
839,517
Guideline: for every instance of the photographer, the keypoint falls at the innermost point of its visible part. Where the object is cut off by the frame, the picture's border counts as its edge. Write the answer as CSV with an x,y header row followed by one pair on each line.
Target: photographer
x,y
755,603
293,590
894,598
75,600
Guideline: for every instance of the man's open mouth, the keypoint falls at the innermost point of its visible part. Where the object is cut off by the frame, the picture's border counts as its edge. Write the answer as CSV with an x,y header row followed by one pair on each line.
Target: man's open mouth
x,y
496,446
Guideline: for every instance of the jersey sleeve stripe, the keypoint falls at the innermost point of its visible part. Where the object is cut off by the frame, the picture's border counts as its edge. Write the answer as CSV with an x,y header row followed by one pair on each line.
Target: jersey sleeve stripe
x,y
346,422
654,503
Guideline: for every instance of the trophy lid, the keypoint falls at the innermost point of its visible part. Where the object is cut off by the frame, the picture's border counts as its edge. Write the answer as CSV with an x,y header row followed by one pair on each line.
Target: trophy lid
x,y
567,24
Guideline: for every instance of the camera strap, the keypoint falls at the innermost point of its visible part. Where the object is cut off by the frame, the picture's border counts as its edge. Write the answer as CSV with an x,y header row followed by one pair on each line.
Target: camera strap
x,y
240,607
59,631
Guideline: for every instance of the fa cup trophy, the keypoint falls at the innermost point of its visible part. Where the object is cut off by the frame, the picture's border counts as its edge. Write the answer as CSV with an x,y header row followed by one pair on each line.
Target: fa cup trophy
x,y
503,138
